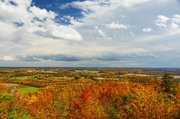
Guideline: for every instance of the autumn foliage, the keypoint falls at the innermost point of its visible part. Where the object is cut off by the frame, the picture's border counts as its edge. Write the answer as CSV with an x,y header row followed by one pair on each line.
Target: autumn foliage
x,y
93,100
62,96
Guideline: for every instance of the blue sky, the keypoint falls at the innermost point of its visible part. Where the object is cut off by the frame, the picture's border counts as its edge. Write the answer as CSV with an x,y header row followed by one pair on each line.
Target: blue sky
x,y
90,33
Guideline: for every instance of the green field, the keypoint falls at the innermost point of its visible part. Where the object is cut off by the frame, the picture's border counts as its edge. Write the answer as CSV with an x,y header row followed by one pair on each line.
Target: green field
x,y
21,78
27,89
27,77
60,77
84,71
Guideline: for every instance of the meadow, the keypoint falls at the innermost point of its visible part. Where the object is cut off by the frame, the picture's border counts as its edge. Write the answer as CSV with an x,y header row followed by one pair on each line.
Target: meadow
x,y
27,89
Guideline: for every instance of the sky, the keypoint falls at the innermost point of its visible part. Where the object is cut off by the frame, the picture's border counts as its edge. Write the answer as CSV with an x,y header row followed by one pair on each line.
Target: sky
x,y
90,33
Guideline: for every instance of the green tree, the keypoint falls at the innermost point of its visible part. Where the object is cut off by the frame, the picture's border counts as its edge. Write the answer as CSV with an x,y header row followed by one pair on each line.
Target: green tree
x,y
167,84
76,77
167,76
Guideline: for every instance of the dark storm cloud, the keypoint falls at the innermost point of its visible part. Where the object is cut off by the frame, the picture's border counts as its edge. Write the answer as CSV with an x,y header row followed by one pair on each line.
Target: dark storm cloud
x,y
27,58
65,57
60,57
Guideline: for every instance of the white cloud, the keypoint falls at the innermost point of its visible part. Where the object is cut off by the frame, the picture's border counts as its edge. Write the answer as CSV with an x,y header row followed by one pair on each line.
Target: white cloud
x,y
15,13
7,58
152,38
129,3
174,26
147,30
93,8
42,13
24,14
6,30
102,33
117,26
161,21
132,34
88,5
95,5
161,24
176,18
63,32
168,22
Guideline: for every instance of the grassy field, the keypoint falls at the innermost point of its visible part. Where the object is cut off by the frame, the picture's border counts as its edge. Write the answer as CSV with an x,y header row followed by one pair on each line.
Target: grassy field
x,y
21,78
84,71
60,77
27,89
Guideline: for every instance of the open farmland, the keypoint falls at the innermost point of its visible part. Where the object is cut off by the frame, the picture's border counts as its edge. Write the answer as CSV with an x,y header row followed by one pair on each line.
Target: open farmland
x,y
27,89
